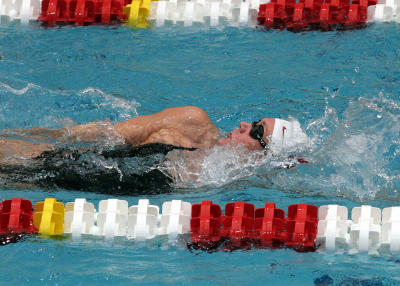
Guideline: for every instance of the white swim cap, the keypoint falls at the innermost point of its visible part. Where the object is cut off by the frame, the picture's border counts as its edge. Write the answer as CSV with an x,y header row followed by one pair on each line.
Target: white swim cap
x,y
286,135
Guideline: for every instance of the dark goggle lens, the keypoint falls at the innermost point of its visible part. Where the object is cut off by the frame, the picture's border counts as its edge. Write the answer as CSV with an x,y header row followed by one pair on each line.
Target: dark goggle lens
x,y
257,132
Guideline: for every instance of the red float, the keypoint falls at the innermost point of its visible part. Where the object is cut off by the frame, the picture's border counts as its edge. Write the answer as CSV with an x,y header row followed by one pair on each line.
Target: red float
x,y
300,17
311,11
267,14
285,3
82,12
311,4
365,3
270,225
325,16
206,222
337,3
302,224
16,216
313,14
353,16
238,221
111,10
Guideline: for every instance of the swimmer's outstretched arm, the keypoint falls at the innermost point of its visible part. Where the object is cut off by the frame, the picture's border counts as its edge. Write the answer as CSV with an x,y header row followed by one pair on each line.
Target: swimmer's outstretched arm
x,y
187,126
90,132
180,126
12,151
35,133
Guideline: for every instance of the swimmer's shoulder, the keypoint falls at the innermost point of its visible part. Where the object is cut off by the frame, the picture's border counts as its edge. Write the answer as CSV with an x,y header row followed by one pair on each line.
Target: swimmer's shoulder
x,y
184,114
200,129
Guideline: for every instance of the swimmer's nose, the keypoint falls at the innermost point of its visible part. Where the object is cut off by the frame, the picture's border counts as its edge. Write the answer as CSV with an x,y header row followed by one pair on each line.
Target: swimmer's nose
x,y
244,126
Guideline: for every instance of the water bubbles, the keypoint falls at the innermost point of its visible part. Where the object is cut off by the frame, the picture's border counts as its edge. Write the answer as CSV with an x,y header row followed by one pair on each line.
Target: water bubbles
x,y
221,165
351,157
14,91
87,105
213,167
65,122
94,97
91,90
336,91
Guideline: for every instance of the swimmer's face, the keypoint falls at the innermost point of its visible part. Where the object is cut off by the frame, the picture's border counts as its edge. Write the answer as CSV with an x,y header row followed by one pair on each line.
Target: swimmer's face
x,y
241,135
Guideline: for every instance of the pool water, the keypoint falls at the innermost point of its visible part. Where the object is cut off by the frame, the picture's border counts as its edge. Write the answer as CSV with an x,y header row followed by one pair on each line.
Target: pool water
x,y
342,86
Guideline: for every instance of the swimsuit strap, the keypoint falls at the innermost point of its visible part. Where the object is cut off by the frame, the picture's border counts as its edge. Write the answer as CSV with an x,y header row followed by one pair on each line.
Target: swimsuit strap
x,y
142,151
122,151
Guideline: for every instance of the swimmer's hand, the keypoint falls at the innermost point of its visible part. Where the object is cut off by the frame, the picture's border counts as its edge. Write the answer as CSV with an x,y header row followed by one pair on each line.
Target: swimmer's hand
x,y
184,166
101,131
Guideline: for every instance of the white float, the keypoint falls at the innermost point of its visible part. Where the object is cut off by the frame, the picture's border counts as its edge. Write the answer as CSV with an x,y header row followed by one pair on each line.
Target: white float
x,y
188,14
384,11
160,11
214,13
79,218
333,228
23,10
175,217
142,220
365,230
206,12
390,238
112,218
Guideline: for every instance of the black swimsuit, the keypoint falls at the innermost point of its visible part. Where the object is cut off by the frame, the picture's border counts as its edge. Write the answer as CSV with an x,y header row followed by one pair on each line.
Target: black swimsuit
x,y
124,170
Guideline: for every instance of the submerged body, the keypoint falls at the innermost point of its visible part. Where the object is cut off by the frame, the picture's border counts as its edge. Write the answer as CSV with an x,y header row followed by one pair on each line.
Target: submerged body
x,y
105,153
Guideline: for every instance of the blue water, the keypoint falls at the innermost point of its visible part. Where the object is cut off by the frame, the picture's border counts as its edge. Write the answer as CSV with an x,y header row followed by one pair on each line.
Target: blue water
x,y
342,86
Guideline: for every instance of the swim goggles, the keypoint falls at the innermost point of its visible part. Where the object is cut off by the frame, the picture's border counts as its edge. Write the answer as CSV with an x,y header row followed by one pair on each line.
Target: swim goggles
x,y
257,132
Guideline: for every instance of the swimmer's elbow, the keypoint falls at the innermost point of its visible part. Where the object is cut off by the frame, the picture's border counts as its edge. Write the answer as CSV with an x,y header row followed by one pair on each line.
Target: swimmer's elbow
x,y
196,114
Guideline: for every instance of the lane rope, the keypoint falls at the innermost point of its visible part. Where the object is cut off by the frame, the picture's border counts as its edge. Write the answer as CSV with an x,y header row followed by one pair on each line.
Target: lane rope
x,y
327,228
272,14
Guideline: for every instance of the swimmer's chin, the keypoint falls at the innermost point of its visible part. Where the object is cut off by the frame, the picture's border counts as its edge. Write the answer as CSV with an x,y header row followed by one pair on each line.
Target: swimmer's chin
x,y
224,141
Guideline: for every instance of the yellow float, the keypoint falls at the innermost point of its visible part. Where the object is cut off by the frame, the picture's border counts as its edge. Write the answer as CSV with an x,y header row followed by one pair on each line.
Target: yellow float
x,y
48,217
137,12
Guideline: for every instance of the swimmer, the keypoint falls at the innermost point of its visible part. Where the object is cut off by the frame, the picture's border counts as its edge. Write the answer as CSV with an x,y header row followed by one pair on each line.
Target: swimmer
x,y
188,127
178,127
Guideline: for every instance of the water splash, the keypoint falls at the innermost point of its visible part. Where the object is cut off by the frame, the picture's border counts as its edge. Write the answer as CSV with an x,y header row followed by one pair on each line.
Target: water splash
x,y
212,167
357,156
221,165
127,108
48,108
15,91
